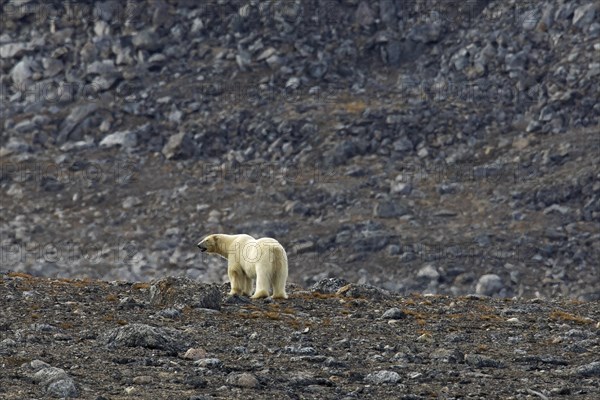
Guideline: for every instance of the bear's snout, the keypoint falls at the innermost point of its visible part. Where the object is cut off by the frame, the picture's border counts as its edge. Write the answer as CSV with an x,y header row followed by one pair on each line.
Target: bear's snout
x,y
202,247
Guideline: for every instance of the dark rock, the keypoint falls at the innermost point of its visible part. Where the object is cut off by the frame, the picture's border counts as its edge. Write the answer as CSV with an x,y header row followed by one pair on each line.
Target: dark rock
x,y
329,285
141,335
146,40
363,290
394,313
243,379
588,370
388,209
479,361
173,291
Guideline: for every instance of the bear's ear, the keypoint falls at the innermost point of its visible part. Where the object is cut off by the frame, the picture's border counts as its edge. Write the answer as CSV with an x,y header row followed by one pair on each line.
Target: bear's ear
x,y
216,237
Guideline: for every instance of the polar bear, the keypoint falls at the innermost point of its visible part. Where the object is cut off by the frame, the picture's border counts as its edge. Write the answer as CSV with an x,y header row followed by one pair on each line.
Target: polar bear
x,y
248,258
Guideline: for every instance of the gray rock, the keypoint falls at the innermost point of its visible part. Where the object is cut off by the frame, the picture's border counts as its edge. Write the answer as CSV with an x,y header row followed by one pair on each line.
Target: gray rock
x,y
124,139
243,59
364,291
22,72
445,213
146,40
56,381
208,362
63,388
393,250
243,379
489,285
388,209
52,67
394,313
387,13
173,291
453,356
104,68
403,144
588,370
479,361
49,374
170,313
426,33
364,15
585,14
428,272
15,145
75,117
13,50
142,335
329,285
131,202
179,146
381,377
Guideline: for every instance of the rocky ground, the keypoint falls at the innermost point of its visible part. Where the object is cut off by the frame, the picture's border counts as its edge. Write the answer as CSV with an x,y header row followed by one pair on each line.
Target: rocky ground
x,y
175,338
442,151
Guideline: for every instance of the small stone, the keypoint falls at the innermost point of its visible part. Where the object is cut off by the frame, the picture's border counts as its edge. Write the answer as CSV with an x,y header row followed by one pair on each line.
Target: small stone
x,y
381,377
131,202
428,272
479,361
22,72
170,313
425,338
585,14
196,382
64,388
179,146
244,379
141,335
445,213
588,370
146,40
388,209
208,362
125,139
394,313
489,284
329,285
195,354
142,380
10,50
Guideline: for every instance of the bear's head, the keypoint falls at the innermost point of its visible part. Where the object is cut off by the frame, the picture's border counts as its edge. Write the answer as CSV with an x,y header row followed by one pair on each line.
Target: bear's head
x,y
209,244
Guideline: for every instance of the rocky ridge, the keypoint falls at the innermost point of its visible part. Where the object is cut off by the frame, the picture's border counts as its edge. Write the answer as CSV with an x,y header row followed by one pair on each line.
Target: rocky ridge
x,y
417,146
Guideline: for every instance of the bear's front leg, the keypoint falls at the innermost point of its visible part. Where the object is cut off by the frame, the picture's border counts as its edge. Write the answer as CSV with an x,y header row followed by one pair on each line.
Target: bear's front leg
x,y
236,282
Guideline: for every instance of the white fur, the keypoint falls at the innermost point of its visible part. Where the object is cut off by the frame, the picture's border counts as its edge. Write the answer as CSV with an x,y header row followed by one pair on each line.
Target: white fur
x,y
249,259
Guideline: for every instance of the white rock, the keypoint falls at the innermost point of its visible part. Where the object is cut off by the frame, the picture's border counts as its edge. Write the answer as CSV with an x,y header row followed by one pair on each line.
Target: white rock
x,y
381,377
126,139
489,285
22,71
11,50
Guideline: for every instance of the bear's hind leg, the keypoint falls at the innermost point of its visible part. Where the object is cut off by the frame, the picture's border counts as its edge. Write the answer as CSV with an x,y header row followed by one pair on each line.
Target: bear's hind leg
x,y
279,285
247,286
280,275
263,281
